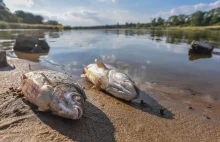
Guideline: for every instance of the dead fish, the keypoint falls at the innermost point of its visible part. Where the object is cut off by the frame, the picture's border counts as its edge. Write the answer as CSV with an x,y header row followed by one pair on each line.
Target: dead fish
x,y
63,97
112,81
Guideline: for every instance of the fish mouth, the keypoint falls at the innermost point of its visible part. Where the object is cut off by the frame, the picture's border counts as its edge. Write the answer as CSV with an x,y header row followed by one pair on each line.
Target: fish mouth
x,y
79,112
123,92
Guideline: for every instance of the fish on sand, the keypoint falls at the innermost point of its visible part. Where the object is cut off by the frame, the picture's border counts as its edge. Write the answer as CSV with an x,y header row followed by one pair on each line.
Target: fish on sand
x,y
54,91
112,81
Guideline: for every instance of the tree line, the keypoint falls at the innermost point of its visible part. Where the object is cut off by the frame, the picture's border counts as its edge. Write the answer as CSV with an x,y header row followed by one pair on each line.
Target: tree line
x,y
198,18
22,16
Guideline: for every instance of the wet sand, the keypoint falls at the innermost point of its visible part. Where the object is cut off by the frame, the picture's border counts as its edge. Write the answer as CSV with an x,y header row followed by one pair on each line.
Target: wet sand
x,y
186,118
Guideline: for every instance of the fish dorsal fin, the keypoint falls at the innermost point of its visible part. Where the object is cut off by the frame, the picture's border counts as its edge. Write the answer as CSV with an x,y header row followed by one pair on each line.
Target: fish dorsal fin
x,y
100,64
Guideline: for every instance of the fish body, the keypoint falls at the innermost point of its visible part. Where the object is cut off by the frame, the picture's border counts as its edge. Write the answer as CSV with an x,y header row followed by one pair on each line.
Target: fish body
x,y
112,81
54,91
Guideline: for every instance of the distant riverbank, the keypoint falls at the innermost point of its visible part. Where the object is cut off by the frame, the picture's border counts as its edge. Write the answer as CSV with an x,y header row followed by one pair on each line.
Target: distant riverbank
x,y
6,25
216,27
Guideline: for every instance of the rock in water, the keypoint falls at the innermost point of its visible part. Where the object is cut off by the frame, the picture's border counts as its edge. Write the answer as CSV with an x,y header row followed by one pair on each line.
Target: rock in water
x,y
54,91
3,59
201,48
30,44
112,81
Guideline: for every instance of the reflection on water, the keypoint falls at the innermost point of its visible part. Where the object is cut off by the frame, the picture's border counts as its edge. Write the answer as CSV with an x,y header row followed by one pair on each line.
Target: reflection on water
x,y
157,56
30,56
193,57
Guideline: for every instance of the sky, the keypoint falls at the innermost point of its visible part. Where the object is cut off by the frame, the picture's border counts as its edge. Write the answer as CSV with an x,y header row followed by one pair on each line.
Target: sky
x,y
106,12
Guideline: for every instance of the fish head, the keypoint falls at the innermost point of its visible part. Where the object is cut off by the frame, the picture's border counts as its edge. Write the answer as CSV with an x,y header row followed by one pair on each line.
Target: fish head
x,y
69,104
121,86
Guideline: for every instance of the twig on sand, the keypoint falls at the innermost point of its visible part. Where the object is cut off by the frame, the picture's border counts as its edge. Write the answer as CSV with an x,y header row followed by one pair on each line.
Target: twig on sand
x,y
4,125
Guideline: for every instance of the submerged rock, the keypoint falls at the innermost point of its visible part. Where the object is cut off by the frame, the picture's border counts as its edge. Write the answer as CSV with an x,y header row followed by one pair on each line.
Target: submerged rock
x,y
30,44
201,48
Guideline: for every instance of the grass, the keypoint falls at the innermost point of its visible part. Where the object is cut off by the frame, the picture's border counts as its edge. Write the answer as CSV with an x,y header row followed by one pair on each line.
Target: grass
x,y
214,27
5,25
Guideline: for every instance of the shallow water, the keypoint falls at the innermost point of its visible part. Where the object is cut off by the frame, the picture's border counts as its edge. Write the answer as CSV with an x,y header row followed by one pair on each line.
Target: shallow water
x,y
148,56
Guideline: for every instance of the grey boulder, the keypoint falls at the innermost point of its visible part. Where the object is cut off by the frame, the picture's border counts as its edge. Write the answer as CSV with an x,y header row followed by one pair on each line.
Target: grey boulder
x,y
30,44
3,59
200,48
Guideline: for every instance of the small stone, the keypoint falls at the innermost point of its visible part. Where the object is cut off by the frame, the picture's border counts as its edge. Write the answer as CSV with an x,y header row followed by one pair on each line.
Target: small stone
x,y
7,92
190,107
208,117
11,88
209,106
15,110
14,94
13,66
162,111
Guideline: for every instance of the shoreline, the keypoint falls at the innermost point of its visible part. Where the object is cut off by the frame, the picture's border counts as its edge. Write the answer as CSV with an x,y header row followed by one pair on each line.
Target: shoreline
x,y
107,118
23,26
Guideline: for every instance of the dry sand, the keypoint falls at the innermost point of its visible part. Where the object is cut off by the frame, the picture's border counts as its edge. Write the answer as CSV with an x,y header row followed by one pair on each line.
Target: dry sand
x,y
107,118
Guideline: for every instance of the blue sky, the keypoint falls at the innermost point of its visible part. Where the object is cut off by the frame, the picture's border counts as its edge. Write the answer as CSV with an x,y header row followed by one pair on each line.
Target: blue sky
x,y
101,12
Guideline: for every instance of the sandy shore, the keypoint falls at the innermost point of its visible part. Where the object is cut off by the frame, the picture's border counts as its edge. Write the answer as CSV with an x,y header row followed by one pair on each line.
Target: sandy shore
x,y
107,118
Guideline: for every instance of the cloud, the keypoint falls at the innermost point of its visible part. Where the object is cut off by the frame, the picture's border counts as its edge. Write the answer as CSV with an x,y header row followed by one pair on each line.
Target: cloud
x,y
84,16
78,15
25,3
188,9
113,1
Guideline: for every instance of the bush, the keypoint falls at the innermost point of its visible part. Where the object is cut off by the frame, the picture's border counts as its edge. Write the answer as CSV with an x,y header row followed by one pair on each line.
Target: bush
x,y
67,27
4,25
59,27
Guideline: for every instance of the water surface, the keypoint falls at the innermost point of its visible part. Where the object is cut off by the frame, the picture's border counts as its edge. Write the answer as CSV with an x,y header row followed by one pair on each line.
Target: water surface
x,y
154,56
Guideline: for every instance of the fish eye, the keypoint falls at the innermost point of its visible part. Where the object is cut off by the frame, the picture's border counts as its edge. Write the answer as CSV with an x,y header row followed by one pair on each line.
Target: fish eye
x,y
77,98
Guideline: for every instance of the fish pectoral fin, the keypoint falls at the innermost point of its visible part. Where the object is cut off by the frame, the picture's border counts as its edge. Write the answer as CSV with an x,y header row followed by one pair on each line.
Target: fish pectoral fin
x,y
83,75
100,64
94,87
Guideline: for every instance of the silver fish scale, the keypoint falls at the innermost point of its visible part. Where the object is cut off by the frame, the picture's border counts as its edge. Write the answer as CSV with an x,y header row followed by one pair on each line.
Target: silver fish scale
x,y
54,91
55,78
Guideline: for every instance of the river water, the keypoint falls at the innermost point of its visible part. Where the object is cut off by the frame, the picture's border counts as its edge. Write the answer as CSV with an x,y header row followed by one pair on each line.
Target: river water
x,y
148,56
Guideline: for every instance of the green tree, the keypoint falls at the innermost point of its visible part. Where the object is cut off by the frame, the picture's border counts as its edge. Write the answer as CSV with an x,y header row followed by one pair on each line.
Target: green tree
x,y
153,22
160,21
138,25
52,22
29,18
215,19
181,19
173,20
39,19
197,18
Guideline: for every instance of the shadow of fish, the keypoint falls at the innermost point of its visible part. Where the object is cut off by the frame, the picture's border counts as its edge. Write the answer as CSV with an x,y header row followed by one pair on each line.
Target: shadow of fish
x,y
54,91
112,81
